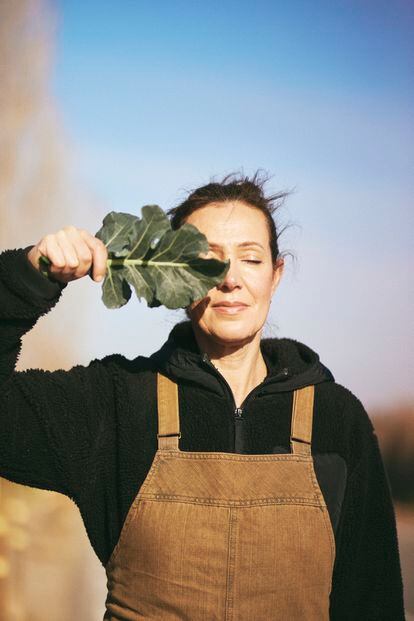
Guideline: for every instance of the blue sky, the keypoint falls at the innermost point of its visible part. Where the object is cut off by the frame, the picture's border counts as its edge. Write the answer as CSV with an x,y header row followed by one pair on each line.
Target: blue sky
x,y
158,97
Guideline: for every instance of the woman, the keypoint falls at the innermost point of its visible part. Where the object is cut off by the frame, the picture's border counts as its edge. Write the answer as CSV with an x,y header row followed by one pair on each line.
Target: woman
x,y
227,476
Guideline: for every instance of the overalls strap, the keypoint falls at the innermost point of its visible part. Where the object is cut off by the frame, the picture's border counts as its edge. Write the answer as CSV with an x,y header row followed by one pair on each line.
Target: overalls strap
x,y
302,418
168,417
169,422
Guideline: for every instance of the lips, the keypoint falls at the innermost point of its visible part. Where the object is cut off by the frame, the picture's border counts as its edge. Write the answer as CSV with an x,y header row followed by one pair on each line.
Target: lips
x,y
229,308
229,304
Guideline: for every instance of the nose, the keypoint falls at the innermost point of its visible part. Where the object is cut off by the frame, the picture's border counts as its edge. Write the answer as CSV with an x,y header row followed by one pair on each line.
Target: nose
x,y
231,279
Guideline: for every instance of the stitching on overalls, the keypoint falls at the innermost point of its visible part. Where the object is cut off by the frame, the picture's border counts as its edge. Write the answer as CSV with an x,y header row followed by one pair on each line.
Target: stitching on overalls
x,y
233,457
324,509
153,469
292,500
231,565
133,508
131,514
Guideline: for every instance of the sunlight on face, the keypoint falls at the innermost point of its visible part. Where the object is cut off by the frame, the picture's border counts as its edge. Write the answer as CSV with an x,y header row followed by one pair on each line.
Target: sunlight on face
x,y
238,232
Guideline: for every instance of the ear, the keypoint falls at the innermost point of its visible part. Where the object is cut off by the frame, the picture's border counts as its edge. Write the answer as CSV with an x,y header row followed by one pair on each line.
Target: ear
x,y
277,274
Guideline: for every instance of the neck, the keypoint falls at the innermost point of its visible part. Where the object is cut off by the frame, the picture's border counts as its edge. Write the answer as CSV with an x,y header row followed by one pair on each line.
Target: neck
x,y
242,364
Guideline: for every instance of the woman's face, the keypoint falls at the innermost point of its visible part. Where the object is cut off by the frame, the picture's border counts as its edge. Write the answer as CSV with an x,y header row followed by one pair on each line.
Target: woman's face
x,y
238,232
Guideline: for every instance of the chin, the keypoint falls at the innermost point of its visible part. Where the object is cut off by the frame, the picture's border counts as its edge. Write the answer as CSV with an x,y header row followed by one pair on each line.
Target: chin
x,y
229,331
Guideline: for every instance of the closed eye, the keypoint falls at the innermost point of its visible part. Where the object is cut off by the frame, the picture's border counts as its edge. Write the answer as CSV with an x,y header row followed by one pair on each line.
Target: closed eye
x,y
251,261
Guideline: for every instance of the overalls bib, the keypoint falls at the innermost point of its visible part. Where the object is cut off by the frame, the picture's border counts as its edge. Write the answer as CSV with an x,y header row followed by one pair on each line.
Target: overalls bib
x,y
224,536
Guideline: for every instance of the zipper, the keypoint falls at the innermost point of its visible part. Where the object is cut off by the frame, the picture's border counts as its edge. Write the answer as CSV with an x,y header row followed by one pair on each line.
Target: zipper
x,y
239,442
238,411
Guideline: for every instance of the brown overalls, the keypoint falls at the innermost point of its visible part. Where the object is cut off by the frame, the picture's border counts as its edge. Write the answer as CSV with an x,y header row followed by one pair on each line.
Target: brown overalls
x,y
224,536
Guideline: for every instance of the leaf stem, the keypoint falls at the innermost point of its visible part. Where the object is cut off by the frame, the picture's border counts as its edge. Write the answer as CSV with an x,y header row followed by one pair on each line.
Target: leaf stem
x,y
43,261
122,261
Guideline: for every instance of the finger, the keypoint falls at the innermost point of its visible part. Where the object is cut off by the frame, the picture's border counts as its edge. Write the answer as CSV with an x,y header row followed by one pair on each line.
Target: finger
x,y
53,252
82,250
71,259
100,255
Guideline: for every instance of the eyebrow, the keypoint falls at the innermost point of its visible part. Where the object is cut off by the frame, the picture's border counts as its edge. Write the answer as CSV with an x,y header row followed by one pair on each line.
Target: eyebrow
x,y
241,245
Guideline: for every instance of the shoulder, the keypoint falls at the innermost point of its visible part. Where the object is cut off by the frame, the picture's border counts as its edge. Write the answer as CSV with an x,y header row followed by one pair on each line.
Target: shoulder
x,y
118,365
344,406
343,401
122,363
343,420
109,368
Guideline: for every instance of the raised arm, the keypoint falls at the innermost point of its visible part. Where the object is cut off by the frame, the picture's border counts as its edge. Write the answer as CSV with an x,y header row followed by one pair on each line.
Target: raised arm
x,y
48,420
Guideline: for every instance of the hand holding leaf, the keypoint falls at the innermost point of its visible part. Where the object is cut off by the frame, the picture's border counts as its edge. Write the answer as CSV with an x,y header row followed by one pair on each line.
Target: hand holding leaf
x,y
162,265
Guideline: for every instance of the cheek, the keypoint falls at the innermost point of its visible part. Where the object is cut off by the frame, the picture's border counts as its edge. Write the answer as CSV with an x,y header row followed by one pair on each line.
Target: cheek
x,y
260,286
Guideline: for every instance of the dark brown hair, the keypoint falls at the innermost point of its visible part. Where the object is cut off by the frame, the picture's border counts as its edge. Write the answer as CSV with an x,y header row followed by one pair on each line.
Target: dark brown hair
x,y
235,186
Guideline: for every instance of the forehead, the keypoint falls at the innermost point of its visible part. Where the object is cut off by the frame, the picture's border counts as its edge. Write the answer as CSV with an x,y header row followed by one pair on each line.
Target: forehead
x,y
230,222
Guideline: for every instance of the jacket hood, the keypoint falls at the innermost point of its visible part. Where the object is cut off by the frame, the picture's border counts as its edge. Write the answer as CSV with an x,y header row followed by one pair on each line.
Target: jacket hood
x,y
290,364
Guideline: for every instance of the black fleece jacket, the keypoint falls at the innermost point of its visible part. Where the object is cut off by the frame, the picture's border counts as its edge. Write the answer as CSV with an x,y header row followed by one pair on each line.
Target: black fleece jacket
x,y
91,433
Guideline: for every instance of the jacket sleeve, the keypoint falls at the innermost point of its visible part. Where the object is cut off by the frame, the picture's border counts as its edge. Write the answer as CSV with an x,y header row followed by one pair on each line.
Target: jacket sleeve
x,y
49,421
367,582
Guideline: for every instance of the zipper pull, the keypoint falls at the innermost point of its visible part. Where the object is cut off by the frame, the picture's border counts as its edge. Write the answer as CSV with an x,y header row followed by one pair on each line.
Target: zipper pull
x,y
207,360
238,412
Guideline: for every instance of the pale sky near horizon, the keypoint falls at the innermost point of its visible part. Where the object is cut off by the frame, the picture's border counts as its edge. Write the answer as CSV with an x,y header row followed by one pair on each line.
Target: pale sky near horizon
x,y
156,98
